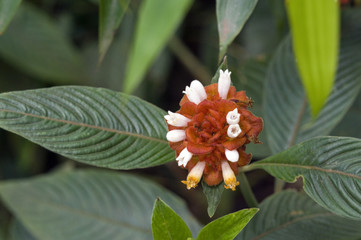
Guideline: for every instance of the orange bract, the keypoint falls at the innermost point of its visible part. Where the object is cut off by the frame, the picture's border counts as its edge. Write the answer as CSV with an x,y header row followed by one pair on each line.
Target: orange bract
x,y
206,132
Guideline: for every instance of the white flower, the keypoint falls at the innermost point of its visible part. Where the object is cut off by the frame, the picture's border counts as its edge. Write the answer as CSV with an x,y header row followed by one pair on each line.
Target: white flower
x,y
195,175
233,117
196,92
228,176
176,119
233,130
176,135
224,82
184,157
232,155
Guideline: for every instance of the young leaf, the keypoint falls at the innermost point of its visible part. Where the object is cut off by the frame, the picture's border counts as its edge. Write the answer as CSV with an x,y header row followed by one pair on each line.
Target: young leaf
x,y
157,22
213,195
110,14
7,11
287,117
315,35
231,17
91,125
166,224
34,44
294,214
228,226
90,204
330,168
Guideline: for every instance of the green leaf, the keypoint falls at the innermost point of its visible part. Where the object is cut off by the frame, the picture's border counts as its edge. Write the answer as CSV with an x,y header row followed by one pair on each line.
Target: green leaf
x,y
228,226
19,232
166,224
315,42
252,80
330,168
291,215
352,118
110,15
287,116
157,21
213,195
7,11
90,125
231,17
36,45
90,204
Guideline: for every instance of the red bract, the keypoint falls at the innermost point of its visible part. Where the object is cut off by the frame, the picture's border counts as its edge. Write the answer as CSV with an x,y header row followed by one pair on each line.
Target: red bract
x,y
210,131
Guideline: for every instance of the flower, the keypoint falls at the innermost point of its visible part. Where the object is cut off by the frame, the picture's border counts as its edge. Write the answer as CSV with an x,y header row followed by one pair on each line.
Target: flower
x,y
210,131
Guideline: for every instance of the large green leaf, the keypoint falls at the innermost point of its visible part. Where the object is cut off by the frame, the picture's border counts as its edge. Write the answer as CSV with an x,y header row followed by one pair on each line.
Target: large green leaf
x,y
166,224
19,232
291,215
252,80
34,44
330,168
228,226
315,34
287,116
157,22
231,17
91,125
352,118
110,14
7,11
88,205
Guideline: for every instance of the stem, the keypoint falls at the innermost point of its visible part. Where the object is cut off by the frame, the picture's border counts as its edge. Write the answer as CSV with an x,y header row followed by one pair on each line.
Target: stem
x,y
279,184
189,60
247,191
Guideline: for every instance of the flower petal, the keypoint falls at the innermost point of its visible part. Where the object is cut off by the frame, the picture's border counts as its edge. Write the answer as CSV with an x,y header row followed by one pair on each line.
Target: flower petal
x,y
232,155
195,175
176,135
233,117
176,119
224,82
229,177
184,157
233,131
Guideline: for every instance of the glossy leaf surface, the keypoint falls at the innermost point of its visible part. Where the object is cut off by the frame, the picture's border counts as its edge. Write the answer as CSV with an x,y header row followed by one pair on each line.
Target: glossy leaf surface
x,y
287,116
294,214
91,125
88,205
330,168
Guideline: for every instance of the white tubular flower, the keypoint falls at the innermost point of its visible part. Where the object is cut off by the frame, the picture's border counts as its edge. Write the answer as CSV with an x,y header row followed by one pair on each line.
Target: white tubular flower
x,y
176,135
196,92
176,119
233,117
232,155
224,82
184,157
233,130
228,176
195,175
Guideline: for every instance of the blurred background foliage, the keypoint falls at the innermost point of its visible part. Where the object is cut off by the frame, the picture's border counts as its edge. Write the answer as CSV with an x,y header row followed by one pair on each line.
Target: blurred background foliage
x,y
55,42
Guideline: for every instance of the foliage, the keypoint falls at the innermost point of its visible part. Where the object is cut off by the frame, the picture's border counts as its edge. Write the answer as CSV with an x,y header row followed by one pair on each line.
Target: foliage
x,y
55,136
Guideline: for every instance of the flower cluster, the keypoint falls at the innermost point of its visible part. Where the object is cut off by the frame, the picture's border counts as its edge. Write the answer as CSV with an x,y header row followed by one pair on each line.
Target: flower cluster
x,y
210,132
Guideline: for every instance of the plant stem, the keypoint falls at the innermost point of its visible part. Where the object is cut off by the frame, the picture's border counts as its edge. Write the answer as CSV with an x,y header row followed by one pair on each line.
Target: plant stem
x,y
279,184
189,60
246,190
